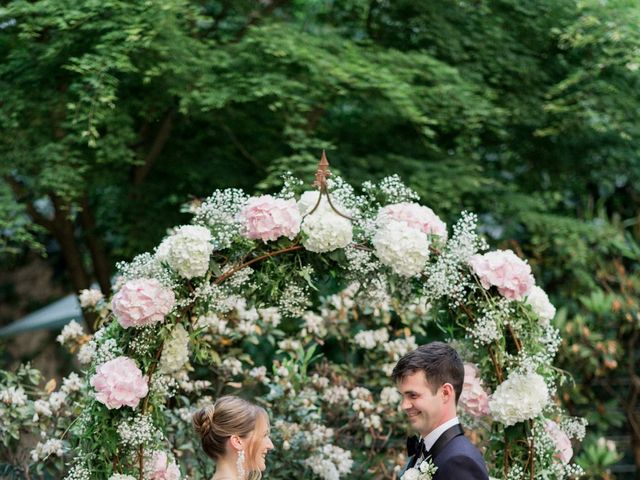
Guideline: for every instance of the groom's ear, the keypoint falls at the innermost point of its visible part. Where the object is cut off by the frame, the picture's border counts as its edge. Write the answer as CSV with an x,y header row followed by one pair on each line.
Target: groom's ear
x,y
448,392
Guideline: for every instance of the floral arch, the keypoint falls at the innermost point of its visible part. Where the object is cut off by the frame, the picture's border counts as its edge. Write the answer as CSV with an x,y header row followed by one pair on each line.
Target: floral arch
x,y
303,301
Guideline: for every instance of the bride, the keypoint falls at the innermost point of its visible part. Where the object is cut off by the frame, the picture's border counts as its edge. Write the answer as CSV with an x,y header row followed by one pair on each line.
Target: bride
x,y
235,433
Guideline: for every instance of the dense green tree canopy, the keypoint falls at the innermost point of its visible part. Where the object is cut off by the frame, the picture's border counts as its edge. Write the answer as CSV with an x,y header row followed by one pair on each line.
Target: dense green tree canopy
x,y
112,113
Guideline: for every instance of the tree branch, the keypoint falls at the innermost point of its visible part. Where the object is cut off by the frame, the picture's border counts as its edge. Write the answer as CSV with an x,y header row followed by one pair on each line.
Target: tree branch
x,y
140,173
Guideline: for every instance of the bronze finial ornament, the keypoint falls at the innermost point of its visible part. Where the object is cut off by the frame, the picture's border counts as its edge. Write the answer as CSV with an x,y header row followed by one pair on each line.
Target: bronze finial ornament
x,y
322,173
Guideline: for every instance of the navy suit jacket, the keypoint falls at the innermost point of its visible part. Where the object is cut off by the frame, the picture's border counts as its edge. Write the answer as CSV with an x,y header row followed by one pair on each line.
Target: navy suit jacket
x,y
459,460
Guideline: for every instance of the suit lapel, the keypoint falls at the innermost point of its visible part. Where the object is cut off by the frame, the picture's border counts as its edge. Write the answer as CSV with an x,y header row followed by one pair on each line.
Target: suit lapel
x,y
445,438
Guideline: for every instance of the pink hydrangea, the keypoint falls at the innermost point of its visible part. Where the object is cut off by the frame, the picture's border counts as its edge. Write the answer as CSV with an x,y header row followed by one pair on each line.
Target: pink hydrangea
x,y
267,218
564,451
162,468
473,399
504,270
119,382
142,302
415,216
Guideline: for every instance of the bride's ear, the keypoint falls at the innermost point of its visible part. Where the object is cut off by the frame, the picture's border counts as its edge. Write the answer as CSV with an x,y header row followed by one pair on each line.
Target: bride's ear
x,y
236,442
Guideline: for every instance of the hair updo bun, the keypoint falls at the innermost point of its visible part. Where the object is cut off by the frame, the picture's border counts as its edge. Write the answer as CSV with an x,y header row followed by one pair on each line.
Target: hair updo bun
x,y
203,420
229,416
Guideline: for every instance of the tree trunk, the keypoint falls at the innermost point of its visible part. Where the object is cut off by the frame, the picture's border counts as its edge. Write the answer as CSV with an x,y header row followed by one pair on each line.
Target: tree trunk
x,y
64,232
99,257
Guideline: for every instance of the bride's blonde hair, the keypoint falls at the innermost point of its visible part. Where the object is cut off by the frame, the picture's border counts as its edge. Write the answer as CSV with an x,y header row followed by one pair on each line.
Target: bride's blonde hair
x,y
228,416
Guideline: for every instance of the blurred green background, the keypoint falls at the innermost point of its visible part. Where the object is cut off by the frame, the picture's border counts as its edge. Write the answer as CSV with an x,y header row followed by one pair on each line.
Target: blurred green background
x,y
113,114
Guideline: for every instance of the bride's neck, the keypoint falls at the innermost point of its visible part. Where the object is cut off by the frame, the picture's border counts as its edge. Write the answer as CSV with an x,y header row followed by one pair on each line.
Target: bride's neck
x,y
226,470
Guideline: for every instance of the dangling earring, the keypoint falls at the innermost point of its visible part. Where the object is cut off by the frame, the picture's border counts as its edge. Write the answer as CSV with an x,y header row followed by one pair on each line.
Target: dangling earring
x,y
240,464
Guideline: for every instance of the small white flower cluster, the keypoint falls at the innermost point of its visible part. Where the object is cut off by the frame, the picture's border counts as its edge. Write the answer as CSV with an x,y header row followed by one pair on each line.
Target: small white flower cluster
x,y
260,374
44,450
145,265
71,383
390,396
330,462
394,190
336,394
87,352
574,427
138,431
270,316
13,396
175,353
488,326
314,325
78,472
164,386
551,456
106,350
317,434
119,476
71,333
519,398
212,323
89,298
294,300
448,276
239,279
145,338
232,366
370,339
219,213
289,345
400,347
360,263
365,408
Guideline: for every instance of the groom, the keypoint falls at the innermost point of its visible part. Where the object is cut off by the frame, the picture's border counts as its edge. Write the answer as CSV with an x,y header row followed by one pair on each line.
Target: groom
x,y
430,381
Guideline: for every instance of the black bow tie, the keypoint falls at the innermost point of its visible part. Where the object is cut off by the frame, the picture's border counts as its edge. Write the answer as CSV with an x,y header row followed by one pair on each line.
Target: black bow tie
x,y
415,447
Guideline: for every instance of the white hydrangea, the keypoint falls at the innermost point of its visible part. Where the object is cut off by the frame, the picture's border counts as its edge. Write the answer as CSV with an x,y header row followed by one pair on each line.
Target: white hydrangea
x,y
541,306
187,251
402,248
519,398
89,297
326,231
176,351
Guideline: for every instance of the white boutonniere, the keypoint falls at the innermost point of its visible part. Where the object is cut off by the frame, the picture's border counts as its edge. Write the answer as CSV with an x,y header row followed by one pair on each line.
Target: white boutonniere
x,y
425,471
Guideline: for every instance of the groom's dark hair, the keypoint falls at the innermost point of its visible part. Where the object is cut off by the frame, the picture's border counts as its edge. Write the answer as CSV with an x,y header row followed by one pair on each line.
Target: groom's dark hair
x,y
440,363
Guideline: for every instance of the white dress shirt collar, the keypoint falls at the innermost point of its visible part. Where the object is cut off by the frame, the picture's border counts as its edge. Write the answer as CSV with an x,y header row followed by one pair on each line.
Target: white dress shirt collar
x,y
430,439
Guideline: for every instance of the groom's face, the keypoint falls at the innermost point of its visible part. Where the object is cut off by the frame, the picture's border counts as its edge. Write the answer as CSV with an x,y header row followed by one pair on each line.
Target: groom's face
x,y
423,407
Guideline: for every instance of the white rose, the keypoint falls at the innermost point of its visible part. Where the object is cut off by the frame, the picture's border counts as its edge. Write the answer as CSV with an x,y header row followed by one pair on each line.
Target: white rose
x,y
541,306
